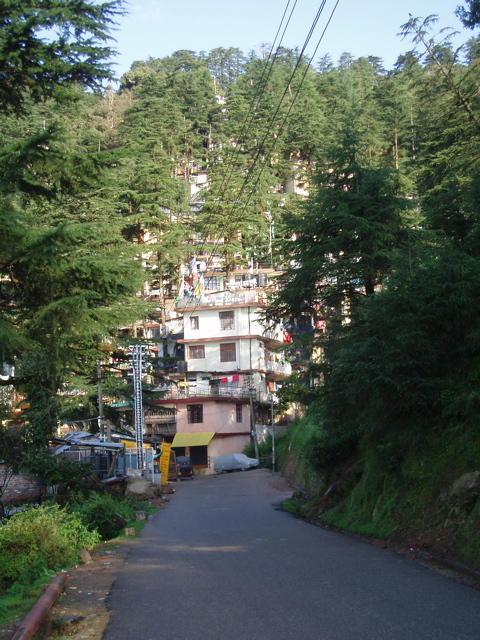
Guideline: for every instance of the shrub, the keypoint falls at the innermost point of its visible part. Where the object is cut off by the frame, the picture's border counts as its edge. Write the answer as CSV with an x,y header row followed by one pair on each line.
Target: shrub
x,y
102,512
36,541
324,449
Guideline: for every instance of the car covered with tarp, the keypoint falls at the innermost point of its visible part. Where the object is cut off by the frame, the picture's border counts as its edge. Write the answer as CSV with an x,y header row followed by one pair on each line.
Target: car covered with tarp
x,y
234,462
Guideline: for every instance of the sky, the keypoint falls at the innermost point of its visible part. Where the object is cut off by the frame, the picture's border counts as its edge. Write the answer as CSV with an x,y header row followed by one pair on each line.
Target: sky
x,y
157,28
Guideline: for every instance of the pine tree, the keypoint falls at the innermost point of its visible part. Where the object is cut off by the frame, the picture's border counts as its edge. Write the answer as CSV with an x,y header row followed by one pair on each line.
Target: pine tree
x,y
340,242
76,51
66,283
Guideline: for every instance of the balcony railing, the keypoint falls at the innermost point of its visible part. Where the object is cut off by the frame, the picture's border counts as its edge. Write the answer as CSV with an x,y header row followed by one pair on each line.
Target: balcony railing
x,y
224,298
202,391
284,368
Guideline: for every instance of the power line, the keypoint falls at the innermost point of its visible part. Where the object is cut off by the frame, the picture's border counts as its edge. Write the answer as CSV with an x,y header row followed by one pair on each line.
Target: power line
x,y
256,101
262,146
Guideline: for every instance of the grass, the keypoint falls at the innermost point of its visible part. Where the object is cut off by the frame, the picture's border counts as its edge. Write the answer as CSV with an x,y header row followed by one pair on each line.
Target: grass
x,y
18,600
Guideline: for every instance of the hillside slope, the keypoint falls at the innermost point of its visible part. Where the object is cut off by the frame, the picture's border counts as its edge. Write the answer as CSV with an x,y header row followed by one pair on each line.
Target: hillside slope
x,y
425,497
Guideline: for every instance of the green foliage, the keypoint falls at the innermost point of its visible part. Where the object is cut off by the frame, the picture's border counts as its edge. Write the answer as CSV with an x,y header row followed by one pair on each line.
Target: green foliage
x,y
399,487
264,450
42,50
68,475
18,600
65,281
402,362
294,507
324,449
36,541
101,512
470,16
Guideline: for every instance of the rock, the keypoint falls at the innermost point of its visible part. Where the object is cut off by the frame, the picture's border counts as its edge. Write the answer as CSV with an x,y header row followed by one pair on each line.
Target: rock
x,y
468,482
129,531
63,623
167,489
85,557
120,522
142,487
141,515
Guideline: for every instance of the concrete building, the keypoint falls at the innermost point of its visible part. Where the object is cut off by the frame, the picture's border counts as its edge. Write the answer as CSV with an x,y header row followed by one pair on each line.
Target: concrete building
x,y
231,369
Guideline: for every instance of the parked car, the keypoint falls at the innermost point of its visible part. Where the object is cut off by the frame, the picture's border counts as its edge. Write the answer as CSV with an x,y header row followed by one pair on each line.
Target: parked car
x,y
184,467
234,462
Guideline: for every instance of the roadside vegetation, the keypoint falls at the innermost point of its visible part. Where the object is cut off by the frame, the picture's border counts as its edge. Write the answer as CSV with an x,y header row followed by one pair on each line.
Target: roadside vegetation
x,y
420,491
38,542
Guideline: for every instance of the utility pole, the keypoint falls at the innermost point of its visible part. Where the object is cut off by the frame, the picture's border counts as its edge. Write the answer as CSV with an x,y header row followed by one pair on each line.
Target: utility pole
x,y
136,353
252,426
273,432
101,418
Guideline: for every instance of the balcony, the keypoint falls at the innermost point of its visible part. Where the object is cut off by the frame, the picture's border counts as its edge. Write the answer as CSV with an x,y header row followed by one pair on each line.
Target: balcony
x,y
276,369
203,391
181,366
283,368
224,298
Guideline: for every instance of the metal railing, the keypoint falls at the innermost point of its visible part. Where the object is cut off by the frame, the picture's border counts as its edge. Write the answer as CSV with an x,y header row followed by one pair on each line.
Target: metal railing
x,y
221,390
224,298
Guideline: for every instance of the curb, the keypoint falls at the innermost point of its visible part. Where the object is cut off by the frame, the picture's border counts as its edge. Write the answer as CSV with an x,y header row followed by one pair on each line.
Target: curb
x,y
37,614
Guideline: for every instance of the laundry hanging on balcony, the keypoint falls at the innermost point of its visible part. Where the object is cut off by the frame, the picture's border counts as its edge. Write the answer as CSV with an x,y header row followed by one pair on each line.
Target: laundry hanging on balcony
x,y
235,378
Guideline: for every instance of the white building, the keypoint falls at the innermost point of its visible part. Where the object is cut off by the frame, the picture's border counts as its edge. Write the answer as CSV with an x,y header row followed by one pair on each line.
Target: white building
x,y
231,370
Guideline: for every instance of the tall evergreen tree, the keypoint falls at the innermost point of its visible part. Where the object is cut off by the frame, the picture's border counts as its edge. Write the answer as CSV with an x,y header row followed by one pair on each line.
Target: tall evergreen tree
x,y
341,241
66,284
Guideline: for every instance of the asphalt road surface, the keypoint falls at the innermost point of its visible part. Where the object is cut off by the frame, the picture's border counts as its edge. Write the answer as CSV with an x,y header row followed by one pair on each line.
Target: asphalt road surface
x,y
220,562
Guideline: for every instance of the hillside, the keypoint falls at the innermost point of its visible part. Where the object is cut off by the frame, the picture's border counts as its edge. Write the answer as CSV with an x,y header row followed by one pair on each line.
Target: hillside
x,y
423,496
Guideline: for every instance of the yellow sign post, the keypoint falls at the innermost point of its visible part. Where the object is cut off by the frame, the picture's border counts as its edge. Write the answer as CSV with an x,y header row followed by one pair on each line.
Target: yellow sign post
x,y
165,461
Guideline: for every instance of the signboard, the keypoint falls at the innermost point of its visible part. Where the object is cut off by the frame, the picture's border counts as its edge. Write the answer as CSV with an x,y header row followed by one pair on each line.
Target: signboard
x,y
165,461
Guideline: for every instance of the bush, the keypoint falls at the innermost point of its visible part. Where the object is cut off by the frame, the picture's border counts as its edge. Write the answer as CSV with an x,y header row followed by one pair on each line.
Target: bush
x,y
37,541
102,512
264,451
324,449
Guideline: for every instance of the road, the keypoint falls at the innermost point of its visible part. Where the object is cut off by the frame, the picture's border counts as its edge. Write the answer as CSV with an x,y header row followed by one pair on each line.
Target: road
x,y
220,562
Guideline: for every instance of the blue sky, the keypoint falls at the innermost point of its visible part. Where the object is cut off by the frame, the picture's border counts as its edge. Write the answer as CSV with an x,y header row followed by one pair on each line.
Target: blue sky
x,y
157,28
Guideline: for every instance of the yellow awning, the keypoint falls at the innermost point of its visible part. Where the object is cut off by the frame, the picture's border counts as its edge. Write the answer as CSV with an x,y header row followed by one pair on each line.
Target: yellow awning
x,y
192,439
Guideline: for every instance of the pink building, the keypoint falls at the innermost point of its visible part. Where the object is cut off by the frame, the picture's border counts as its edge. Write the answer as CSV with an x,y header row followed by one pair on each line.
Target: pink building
x,y
231,369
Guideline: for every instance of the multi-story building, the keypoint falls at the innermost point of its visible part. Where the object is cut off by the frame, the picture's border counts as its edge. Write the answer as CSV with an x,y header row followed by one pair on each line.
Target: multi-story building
x,y
231,369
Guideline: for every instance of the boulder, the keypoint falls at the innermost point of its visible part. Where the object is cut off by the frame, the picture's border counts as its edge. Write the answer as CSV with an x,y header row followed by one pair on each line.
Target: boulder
x,y
466,483
142,487
85,557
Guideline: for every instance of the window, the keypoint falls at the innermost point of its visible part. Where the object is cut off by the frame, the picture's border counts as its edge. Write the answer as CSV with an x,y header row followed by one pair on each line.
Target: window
x,y
199,456
194,322
196,352
155,332
212,283
227,320
194,413
227,352
238,411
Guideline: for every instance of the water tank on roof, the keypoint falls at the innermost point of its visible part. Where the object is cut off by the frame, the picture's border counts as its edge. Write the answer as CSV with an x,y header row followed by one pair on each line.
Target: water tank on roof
x,y
262,279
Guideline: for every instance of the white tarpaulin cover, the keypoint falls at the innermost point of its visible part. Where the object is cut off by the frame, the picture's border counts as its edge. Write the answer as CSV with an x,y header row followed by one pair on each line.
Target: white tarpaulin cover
x,y
234,462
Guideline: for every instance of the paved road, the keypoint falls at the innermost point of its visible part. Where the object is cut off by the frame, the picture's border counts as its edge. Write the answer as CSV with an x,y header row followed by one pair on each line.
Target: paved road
x,y
221,563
